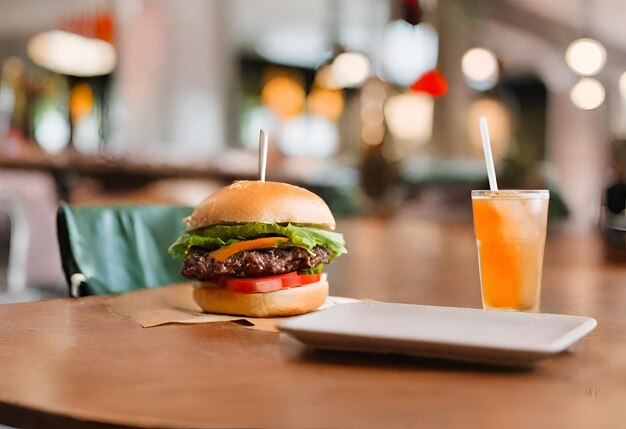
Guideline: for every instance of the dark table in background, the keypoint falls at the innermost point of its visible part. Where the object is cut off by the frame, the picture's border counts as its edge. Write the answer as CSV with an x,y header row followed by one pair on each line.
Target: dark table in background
x,y
71,363
116,172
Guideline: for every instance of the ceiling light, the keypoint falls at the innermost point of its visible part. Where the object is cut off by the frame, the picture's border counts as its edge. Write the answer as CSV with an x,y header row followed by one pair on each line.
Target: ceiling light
x,y
71,54
588,94
408,51
586,57
480,67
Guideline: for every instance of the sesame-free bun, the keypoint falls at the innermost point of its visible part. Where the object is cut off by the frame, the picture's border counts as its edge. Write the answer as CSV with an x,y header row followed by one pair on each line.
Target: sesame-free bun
x,y
265,202
284,302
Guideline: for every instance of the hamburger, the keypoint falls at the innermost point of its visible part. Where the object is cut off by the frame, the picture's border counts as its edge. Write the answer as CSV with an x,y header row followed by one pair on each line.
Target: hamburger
x,y
258,249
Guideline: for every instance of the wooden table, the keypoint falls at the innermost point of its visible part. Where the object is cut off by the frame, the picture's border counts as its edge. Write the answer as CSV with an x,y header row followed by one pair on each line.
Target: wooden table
x,y
71,363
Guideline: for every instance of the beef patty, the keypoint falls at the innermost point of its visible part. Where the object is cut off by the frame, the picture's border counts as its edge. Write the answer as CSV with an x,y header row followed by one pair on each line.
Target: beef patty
x,y
252,263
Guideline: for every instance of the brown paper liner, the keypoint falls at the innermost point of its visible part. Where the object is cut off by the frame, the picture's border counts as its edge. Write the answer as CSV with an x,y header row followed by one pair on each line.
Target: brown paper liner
x,y
175,304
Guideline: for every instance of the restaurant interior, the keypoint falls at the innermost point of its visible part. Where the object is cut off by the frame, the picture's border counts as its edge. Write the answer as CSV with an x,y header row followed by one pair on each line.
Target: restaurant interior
x,y
390,111
372,104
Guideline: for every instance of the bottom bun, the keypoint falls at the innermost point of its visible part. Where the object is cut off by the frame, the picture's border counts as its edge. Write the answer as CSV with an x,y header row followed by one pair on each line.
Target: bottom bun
x,y
284,302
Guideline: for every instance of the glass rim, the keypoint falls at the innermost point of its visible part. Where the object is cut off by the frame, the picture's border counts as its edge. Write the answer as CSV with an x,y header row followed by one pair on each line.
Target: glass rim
x,y
511,193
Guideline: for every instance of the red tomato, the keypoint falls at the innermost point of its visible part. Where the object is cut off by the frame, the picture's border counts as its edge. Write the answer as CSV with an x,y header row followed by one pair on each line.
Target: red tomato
x,y
254,285
262,284
305,279
268,283
291,280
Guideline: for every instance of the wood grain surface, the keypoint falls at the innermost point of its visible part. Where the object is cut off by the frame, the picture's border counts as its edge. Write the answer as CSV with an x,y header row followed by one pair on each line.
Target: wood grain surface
x,y
71,363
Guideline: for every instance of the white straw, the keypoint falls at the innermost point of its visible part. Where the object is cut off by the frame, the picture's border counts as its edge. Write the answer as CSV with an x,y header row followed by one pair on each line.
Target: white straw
x,y
262,155
491,171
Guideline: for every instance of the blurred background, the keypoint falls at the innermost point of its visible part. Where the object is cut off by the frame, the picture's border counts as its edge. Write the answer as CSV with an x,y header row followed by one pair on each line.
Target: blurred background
x,y
374,104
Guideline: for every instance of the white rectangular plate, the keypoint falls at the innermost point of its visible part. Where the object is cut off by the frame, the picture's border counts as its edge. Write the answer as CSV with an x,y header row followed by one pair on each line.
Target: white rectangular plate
x,y
493,337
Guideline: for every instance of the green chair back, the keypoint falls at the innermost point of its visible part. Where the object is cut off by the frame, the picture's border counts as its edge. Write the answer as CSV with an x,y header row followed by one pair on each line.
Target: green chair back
x,y
114,249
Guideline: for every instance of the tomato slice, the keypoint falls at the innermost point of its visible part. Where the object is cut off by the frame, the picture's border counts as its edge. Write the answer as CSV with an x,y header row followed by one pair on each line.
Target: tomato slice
x,y
291,280
254,285
309,278
262,284
268,283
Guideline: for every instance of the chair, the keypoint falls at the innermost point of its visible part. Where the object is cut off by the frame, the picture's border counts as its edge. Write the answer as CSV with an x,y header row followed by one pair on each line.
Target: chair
x,y
18,251
114,249
29,200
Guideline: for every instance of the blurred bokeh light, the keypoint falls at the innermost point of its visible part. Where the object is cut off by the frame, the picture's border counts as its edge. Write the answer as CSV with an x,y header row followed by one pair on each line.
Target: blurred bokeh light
x,y
586,57
410,117
588,94
500,126
408,51
72,54
350,69
480,67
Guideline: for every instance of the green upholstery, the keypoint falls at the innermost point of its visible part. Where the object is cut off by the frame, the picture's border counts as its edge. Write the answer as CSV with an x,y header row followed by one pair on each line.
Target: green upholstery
x,y
119,248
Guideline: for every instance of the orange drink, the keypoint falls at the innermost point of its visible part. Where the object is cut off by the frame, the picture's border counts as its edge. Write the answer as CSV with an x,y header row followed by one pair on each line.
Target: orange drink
x,y
510,229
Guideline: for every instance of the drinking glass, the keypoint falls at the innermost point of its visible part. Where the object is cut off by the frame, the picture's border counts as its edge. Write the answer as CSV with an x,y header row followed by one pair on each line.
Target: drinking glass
x,y
510,228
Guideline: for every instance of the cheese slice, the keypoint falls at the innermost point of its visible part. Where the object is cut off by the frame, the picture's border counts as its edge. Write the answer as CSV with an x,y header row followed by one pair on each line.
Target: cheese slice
x,y
225,252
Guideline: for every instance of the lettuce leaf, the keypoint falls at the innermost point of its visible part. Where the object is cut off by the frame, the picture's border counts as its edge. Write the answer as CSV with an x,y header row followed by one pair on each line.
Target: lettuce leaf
x,y
216,236
315,270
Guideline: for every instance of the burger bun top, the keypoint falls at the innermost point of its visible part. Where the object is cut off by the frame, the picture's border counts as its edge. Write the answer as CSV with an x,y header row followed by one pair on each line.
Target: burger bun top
x,y
248,201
